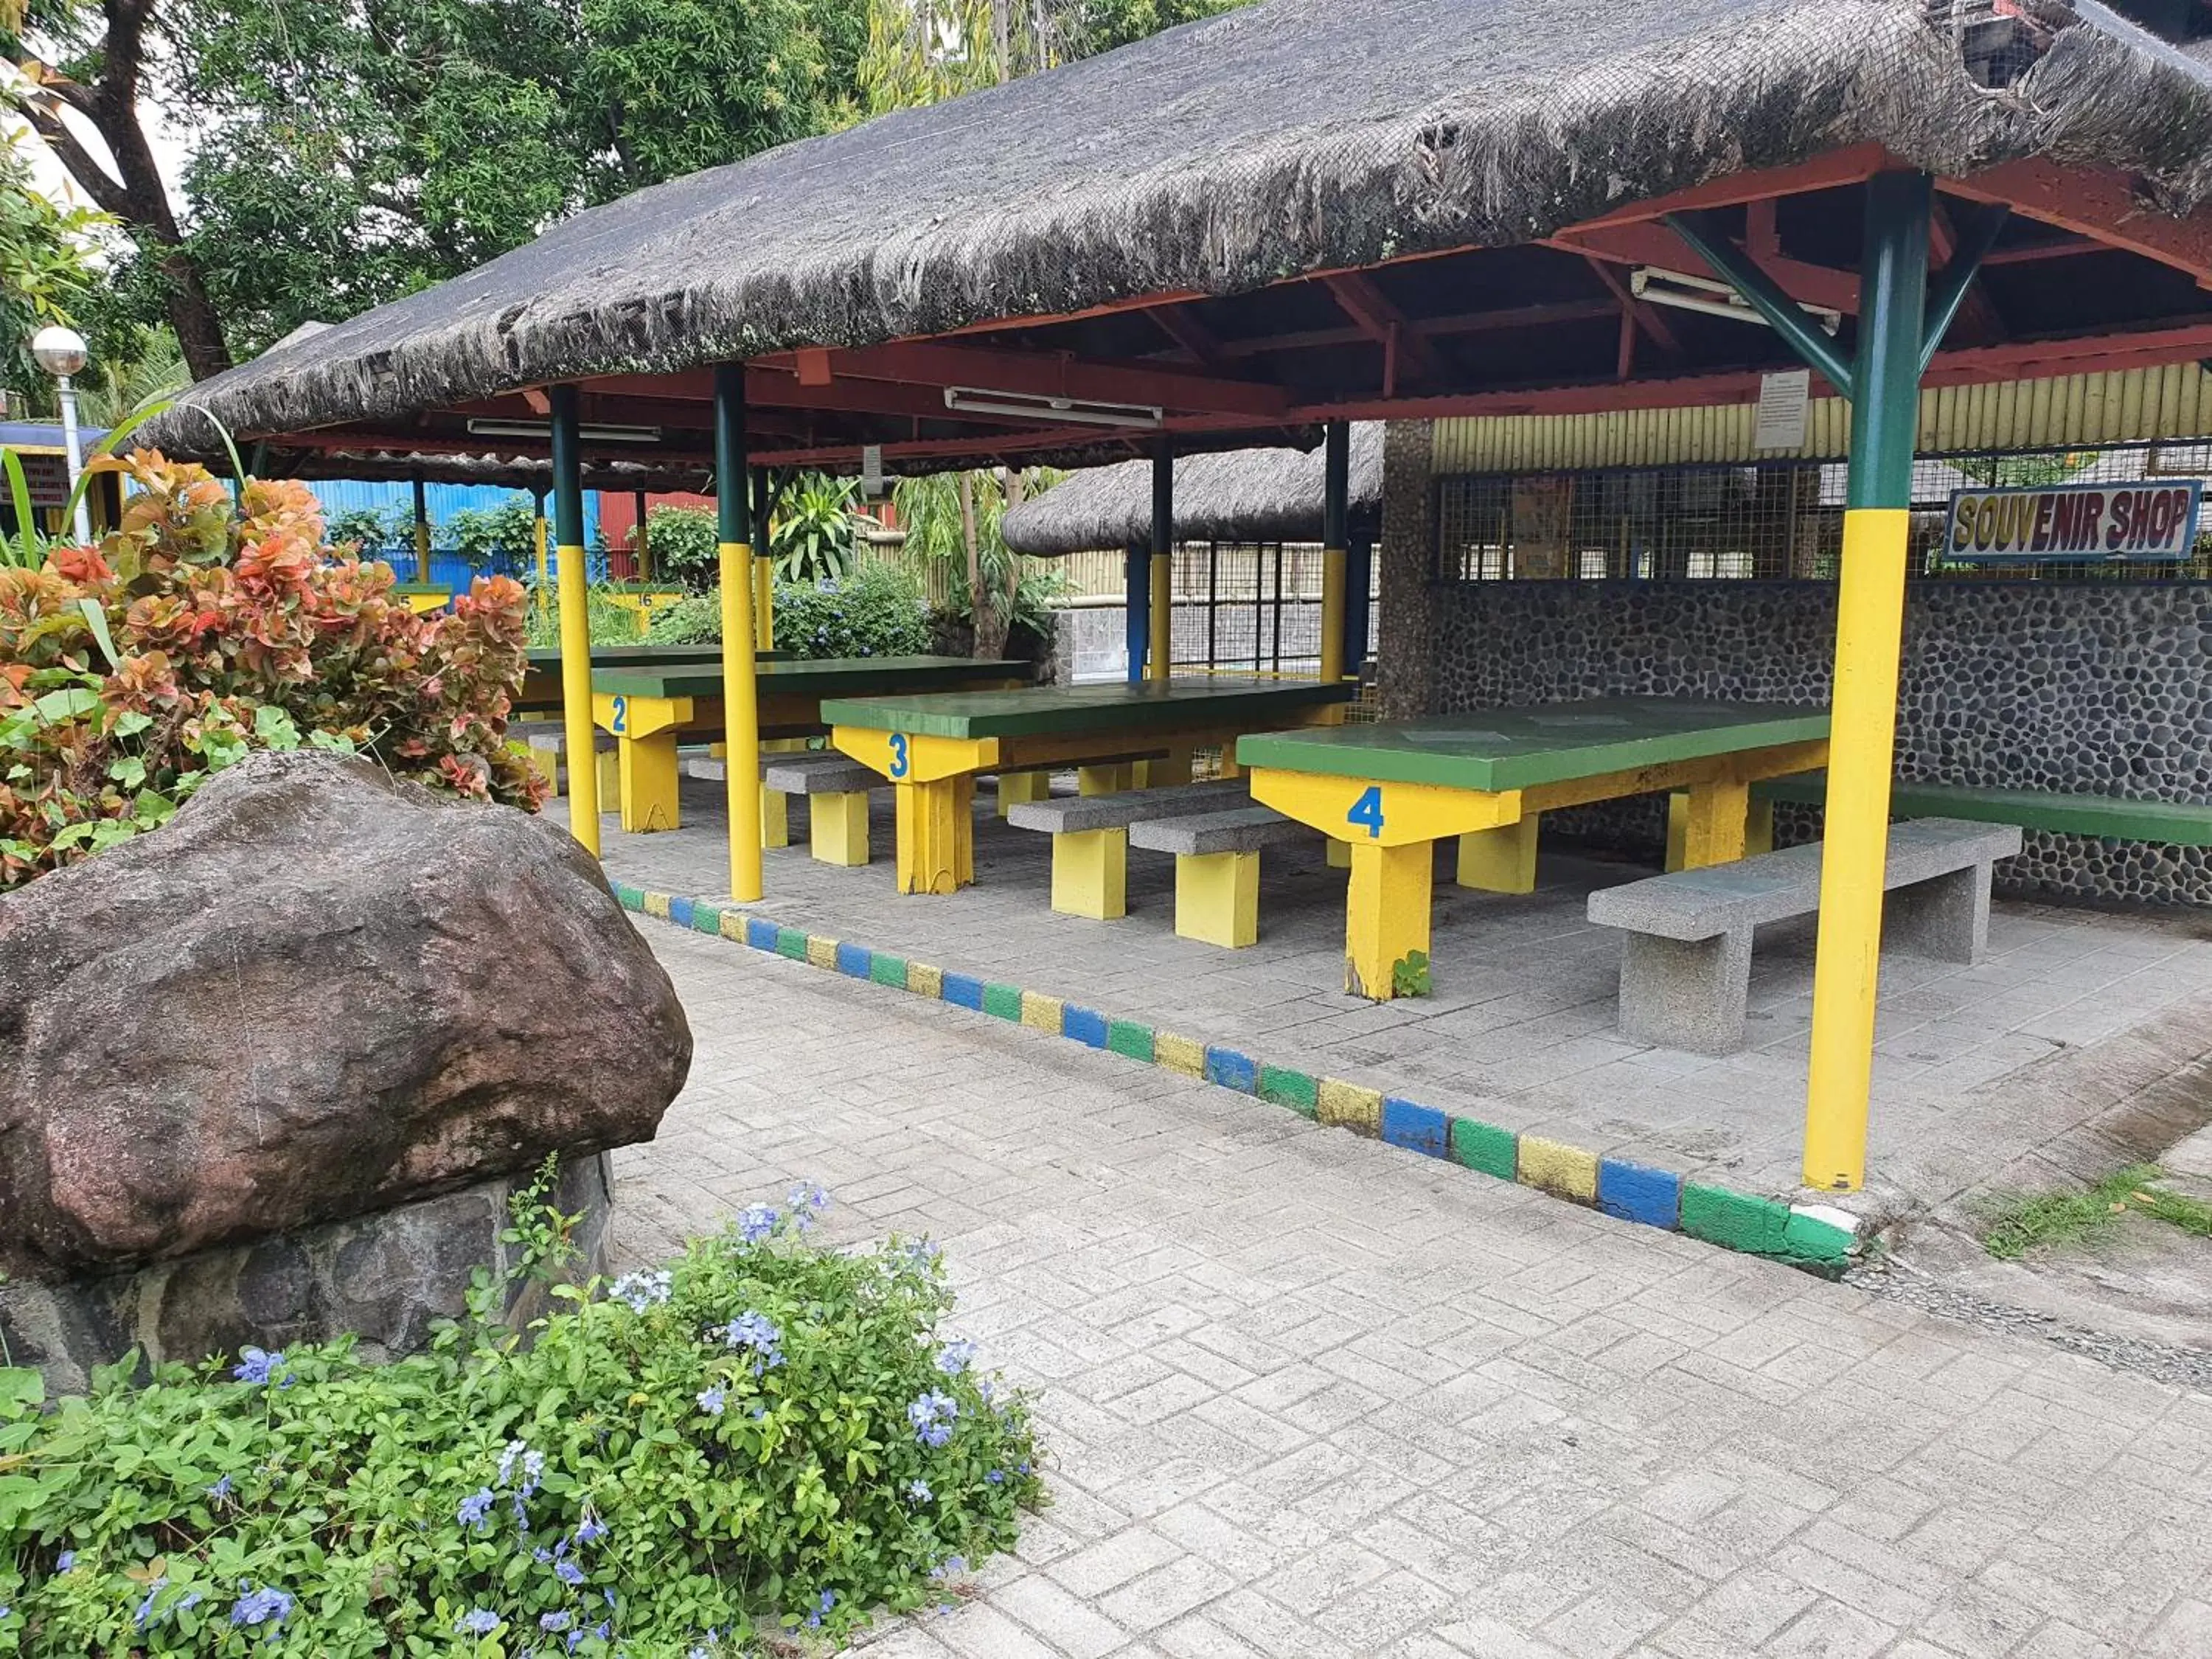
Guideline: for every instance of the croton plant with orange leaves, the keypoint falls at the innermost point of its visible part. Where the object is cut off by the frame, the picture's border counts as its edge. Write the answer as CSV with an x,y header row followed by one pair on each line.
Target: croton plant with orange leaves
x,y
200,630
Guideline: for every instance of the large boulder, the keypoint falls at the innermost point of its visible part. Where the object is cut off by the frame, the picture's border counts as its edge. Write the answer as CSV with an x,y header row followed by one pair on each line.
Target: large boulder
x,y
315,992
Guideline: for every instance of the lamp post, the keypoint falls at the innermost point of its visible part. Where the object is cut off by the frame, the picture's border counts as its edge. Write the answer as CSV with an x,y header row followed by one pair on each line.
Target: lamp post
x,y
61,352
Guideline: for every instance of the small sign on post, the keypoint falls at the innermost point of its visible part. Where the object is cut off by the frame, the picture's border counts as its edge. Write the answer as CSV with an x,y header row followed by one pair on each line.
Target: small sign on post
x,y
2073,523
1783,401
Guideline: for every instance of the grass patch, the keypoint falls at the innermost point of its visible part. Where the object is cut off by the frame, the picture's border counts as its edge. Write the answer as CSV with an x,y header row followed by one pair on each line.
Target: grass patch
x,y
2021,1224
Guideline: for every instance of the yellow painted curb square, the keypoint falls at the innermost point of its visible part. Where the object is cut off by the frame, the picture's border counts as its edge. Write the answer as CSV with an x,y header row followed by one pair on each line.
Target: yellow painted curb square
x,y
1567,1171
822,952
1179,1054
733,926
656,904
1348,1106
924,980
1040,1014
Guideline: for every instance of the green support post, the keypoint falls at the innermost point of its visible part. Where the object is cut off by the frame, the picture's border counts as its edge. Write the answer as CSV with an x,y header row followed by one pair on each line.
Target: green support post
x,y
577,731
740,689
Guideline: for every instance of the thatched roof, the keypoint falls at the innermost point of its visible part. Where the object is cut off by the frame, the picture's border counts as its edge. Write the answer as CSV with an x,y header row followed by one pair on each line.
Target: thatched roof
x,y
1238,496
1287,137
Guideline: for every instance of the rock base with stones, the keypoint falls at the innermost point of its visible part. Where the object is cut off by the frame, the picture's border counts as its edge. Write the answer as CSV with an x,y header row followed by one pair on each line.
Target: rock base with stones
x,y
386,1276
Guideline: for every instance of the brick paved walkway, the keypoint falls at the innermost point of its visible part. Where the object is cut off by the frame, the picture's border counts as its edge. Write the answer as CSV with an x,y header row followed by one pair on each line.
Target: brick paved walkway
x,y
2033,1065
1306,1394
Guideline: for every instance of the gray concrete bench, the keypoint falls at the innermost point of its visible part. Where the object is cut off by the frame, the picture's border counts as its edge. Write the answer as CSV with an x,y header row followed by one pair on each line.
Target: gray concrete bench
x,y
1217,867
837,790
1091,838
544,745
1107,774
1685,958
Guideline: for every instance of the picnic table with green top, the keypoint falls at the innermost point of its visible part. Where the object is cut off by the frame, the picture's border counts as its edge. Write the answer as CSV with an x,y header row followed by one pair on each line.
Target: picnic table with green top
x,y
648,709
932,748
541,680
1390,790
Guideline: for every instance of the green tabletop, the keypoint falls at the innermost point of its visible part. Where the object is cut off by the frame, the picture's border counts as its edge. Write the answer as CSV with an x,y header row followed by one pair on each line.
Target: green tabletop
x,y
631,656
1518,748
1112,706
814,677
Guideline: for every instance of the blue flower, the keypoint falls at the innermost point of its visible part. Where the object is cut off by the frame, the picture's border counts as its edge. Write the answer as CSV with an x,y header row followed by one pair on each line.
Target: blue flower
x,y
931,1416
590,1529
919,1491
144,1616
996,1477
222,1488
808,1200
756,1222
710,1399
259,1367
569,1573
477,1621
949,1567
642,1290
65,1561
555,1621
475,1509
755,1331
955,1356
829,1600
265,1606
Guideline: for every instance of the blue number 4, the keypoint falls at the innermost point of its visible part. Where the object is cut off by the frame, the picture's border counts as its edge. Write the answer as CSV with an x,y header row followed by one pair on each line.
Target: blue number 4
x,y
1367,810
899,764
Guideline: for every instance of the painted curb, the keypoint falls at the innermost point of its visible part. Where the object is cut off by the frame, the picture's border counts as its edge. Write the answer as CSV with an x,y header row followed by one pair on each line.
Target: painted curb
x,y
1816,1237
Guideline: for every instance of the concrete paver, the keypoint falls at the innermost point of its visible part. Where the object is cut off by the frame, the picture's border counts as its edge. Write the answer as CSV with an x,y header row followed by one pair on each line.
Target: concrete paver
x,y
1304,1394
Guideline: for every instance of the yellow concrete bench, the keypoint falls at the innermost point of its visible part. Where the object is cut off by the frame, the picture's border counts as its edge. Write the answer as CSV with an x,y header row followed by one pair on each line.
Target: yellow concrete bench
x,y
1091,838
1217,858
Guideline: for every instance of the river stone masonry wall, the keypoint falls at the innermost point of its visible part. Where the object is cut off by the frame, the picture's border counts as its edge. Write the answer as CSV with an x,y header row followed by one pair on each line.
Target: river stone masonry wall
x,y
2087,687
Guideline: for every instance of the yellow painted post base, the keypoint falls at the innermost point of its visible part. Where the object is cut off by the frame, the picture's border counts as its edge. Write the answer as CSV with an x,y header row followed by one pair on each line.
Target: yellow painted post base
x,y
1500,861
1090,875
606,765
934,855
838,829
1758,829
1017,786
963,827
1710,823
775,816
1385,934
1217,899
546,762
1678,828
646,783
1170,769
1104,780
1230,769
1340,855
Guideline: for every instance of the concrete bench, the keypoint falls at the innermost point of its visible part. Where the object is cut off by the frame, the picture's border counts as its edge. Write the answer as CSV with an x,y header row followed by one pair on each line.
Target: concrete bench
x,y
2167,823
837,790
1685,958
1217,867
544,745
1091,838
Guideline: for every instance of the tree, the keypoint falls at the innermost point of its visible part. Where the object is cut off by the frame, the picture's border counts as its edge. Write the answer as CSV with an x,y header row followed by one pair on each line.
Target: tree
x,y
920,51
47,274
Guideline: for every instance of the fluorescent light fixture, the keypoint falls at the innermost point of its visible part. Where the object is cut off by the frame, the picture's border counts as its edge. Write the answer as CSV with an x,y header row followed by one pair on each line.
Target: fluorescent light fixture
x,y
1077,411
1687,293
482,426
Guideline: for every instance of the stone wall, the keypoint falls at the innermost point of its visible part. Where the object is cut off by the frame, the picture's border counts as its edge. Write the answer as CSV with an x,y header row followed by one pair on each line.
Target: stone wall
x,y
2090,687
1405,653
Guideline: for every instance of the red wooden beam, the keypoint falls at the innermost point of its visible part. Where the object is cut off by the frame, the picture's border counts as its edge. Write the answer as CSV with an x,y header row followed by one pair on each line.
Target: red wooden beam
x,y
2098,203
1468,322
1984,326
1639,316
1399,336
1186,332
1052,374
1838,167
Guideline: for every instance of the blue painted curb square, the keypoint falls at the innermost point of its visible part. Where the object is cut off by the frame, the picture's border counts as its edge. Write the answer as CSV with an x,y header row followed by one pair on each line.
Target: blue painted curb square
x,y
1084,1024
1634,1192
1420,1129
760,934
855,960
965,990
1232,1070
679,912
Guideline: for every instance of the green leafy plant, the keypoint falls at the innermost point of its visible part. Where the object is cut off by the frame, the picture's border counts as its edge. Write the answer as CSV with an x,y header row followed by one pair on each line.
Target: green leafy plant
x,y
694,621
611,624
1409,974
372,530
761,1438
685,545
28,548
814,536
2015,1224
198,631
877,611
487,537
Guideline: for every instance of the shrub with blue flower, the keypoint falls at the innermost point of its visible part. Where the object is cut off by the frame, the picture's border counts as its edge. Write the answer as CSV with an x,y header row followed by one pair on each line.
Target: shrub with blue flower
x,y
487,1495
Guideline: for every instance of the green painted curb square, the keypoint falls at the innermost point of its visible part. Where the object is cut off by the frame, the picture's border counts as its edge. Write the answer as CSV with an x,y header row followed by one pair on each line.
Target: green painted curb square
x,y
1479,1146
1128,1038
887,970
791,942
1284,1087
630,898
1003,1002
1808,1238
706,919
1735,1220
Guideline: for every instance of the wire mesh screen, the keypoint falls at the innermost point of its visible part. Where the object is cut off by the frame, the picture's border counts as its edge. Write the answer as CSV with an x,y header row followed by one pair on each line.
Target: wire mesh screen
x,y
1251,607
1772,520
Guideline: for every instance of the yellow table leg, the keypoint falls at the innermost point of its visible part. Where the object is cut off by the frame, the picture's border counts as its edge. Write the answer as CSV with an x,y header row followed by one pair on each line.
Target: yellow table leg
x,y
775,817
837,828
1678,828
1500,861
1171,768
1340,855
646,783
1713,823
930,844
1090,873
1385,917
1016,787
1230,769
546,762
1758,829
606,767
1217,899
1104,780
963,827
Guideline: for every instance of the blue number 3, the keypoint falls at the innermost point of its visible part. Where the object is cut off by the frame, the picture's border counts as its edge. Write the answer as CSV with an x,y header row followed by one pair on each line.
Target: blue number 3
x,y
899,763
1368,811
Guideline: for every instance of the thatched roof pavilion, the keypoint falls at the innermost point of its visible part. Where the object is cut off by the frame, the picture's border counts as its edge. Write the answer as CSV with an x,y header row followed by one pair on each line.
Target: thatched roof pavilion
x,y
1304,209
1238,495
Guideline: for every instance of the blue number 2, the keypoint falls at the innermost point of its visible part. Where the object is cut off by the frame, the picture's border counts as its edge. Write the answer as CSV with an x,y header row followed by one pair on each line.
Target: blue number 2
x,y
621,716
1368,811
899,763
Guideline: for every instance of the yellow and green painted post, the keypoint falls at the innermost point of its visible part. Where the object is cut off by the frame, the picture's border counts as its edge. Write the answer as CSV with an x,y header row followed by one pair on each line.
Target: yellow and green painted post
x,y
1336,489
740,687
422,535
581,739
1160,594
1899,326
764,503
538,548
